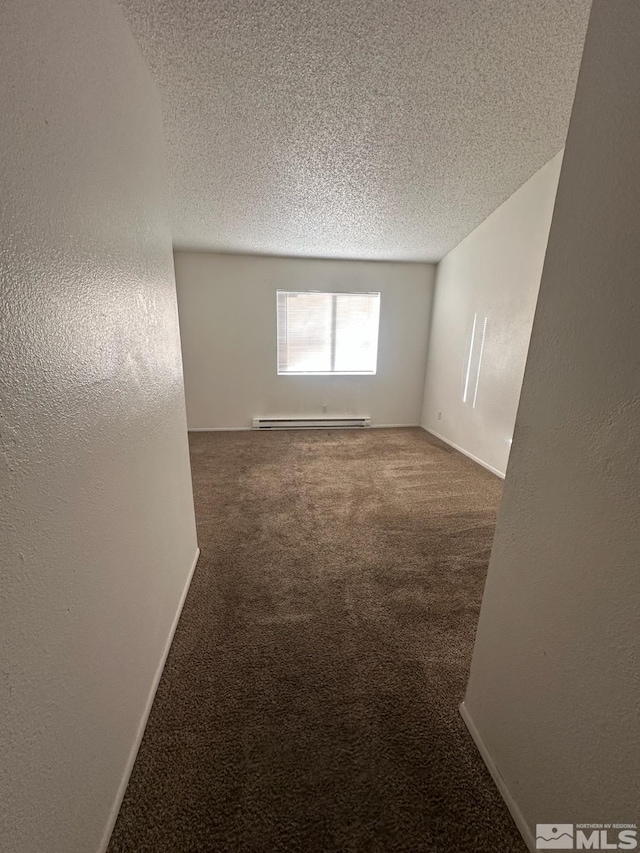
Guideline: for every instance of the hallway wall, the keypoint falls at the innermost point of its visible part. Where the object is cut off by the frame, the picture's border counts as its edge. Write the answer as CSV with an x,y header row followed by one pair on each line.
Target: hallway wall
x,y
553,693
484,300
97,533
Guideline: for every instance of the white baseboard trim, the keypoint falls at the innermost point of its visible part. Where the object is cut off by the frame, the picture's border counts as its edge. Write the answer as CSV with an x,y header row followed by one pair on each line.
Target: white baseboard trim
x,y
465,453
501,785
393,426
145,716
217,429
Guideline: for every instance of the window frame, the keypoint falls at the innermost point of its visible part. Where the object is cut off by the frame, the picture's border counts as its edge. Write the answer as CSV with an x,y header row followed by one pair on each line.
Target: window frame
x,y
329,372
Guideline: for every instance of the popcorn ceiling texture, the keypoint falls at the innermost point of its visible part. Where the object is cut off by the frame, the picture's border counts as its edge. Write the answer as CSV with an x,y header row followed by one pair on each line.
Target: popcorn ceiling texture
x,y
381,129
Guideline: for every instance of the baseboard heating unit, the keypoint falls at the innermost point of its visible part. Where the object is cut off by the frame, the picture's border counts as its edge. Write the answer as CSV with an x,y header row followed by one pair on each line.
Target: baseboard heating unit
x,y
311,423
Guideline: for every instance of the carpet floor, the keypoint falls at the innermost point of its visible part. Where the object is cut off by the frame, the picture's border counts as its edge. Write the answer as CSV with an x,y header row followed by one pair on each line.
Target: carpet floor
x,y
310,699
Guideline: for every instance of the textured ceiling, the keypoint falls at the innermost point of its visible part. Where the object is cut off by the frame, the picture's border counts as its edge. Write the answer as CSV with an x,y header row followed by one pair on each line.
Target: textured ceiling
x,y
384,129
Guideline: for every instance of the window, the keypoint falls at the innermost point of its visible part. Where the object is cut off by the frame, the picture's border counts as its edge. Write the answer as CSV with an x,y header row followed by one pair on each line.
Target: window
x,y
327,333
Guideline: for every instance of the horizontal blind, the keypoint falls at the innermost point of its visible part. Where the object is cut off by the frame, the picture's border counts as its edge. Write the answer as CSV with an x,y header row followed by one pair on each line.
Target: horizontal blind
x,y
327,332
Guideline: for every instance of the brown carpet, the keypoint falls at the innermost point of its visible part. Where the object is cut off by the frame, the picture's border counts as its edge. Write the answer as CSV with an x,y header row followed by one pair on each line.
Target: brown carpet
x,y
310,699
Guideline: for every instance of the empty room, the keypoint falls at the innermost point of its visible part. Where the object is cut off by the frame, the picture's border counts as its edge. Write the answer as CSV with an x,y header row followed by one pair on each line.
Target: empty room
x,y
319,426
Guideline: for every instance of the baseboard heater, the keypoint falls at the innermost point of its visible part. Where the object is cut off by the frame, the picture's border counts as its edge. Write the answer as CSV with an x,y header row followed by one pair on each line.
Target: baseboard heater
x,y
311,423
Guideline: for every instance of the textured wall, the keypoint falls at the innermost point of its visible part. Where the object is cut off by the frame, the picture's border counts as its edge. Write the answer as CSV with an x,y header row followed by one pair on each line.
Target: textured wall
x,y
554,681
228,324
96,519
492,276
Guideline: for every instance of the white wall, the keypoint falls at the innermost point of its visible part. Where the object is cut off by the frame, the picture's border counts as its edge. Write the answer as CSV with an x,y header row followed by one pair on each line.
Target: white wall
x,y
96,518
554,691
228,325
494,274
